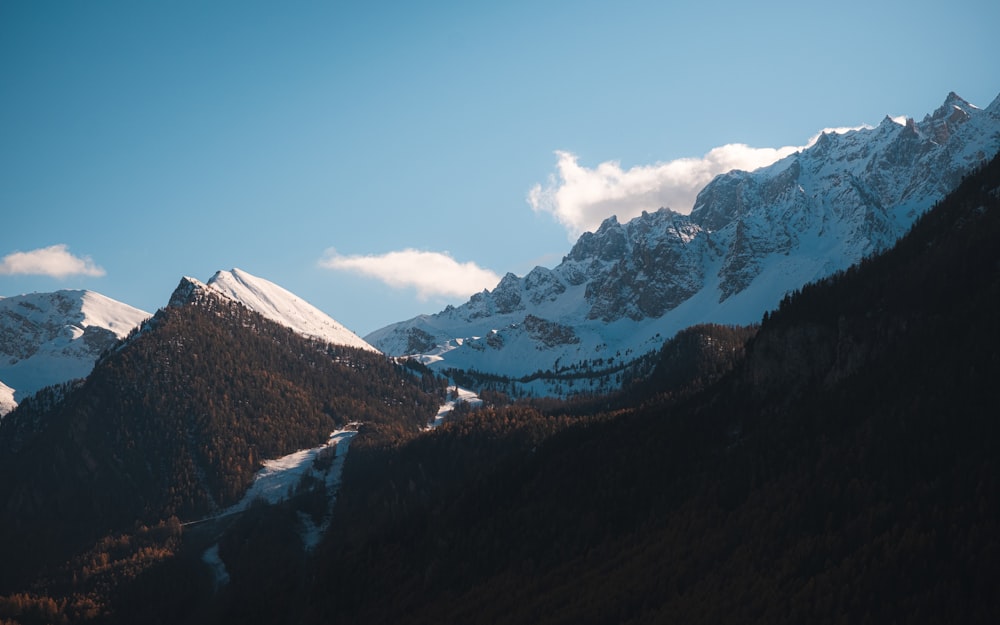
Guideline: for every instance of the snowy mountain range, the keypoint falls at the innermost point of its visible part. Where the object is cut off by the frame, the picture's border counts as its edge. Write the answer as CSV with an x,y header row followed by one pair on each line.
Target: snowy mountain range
x,y
49,338
750,238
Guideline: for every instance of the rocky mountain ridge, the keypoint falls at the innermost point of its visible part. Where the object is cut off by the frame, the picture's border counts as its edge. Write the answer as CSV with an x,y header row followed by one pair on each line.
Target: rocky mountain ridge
x,y
750,238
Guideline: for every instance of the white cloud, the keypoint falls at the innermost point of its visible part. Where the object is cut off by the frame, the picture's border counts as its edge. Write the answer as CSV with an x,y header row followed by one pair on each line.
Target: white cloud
x,y
55,261
581,198
430,273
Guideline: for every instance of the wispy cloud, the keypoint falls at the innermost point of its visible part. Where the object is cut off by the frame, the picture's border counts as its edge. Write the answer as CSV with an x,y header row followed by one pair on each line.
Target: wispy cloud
x,y
580,198
430,273
54,261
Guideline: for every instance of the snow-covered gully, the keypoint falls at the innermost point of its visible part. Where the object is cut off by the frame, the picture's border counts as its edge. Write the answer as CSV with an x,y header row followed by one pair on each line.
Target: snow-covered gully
x,y
278,478
455,396
277,481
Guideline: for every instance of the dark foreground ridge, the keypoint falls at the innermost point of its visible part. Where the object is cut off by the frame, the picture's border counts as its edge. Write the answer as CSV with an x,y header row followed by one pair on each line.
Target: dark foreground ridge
x,y
844,471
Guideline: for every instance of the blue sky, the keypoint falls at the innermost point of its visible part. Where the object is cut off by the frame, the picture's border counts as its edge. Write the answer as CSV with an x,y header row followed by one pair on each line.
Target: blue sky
x,y
383,160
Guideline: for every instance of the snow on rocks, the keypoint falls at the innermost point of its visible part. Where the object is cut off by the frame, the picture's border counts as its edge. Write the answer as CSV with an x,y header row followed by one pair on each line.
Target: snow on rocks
x,y
750,238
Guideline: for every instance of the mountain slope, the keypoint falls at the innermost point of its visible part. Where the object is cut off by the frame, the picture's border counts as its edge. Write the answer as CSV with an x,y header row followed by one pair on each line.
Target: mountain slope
x,y
50,338
175,421
751,238
844,471
281,306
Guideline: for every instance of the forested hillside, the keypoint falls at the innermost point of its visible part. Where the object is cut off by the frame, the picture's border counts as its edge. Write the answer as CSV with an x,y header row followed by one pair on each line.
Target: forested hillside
x,y
845,471
175,421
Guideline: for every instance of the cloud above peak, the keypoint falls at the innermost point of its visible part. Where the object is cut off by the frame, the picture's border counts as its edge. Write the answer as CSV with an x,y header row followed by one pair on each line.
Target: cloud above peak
x,y
55,261
429,273
580,198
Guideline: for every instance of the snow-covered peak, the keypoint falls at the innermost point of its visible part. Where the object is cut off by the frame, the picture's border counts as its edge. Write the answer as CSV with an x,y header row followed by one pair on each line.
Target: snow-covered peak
x,y
78,308
952,103
284,307
102,311
50,338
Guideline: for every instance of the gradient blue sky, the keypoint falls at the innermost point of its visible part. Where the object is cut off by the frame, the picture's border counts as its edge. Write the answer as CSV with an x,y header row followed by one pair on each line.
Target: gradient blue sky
x,y
313,143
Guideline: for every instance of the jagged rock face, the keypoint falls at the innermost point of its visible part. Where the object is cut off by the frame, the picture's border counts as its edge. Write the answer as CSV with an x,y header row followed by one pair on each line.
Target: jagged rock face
x,y
860,189
641,269
863,186
505,298
608,244
419,341
750,238
549,333
507,295
188,291
542,285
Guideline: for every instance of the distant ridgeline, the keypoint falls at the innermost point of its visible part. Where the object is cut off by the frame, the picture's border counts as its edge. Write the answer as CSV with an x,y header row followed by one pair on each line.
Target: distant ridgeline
x,y
750,239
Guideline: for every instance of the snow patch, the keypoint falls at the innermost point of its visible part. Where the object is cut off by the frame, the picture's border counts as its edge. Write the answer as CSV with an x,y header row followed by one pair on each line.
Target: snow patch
x,y
458,395
219,573
7,402
276,481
